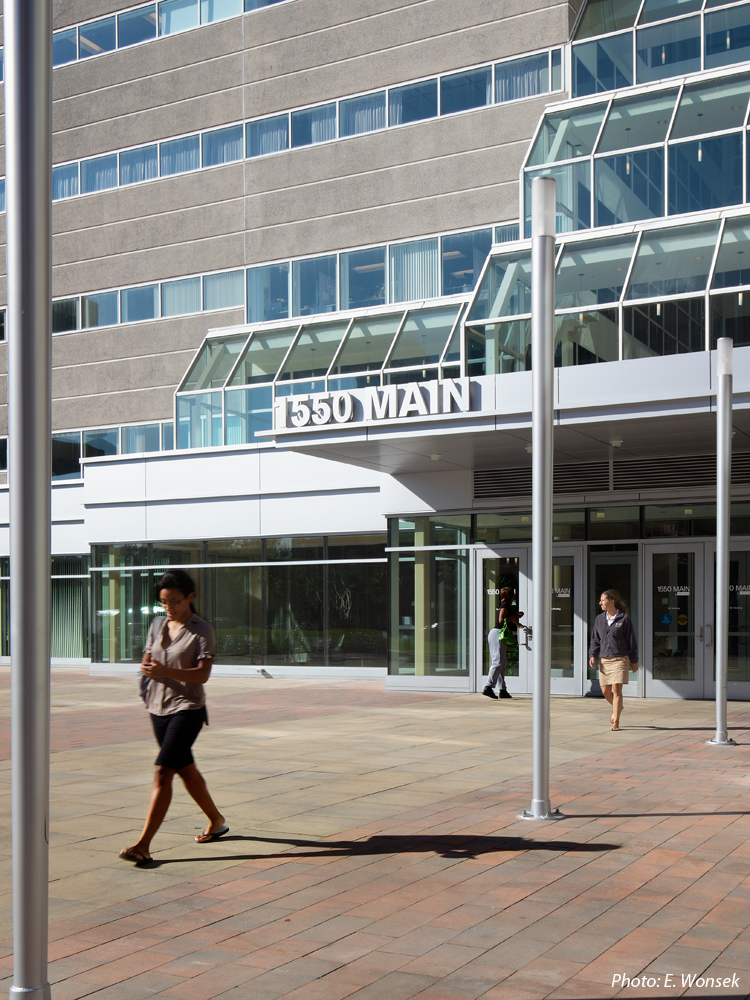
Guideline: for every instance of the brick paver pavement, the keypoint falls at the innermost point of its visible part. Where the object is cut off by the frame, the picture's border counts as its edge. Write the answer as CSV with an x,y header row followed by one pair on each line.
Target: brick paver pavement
x,y
375,851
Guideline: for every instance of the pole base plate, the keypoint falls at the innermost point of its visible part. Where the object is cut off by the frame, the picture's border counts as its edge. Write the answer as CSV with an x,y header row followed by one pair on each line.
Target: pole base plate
x,y
34,993
554,814
721,743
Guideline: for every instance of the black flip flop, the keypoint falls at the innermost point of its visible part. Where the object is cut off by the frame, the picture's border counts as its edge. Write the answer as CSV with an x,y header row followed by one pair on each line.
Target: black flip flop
x,y
207,838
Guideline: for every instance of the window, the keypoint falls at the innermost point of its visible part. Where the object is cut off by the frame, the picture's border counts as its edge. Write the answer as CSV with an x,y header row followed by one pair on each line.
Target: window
x,y
366,346
64,47
711,107
222,146
629,187
178,15
138,304
521,78
66,456
414,103
705,174
3,454
573,196
505,288
262,358
668,50
362,114
99,310
414,271
138,165
313,286
662,328
100,443
463,91
566,135
257,4
585,338
731,266
463,257
423,337
214,362
314,125
313,352
224,291
363,278
637,121
136,440
507,234
199,422
98,37
180,155
136,26
3,325
167,436
267,293
659,10
99,174
248,411
64,315
64,181
219,10
181,297
727,37
271,135
730,317
603,16
673,261
2,194
606,64
2,65
591,274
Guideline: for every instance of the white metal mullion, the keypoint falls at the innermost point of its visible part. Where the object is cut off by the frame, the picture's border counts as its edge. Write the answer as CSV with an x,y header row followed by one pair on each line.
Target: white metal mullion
x,y
709,280
340,348
393,342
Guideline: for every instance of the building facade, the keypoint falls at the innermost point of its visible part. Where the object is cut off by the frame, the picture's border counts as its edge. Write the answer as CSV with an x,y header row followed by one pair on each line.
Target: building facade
x,y
291,328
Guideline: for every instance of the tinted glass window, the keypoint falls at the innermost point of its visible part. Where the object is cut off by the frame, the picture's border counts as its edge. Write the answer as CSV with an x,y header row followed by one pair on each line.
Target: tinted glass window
x,y
363,278
660,10
733,261
178,15
423,337
711,107
138,304
705,174
673,261
313,286
464,91
271,135
180,155
263,356
99,174
727,37
99,310
662,328
267,293
64,315
64,47
97,444
629,187
413,103
66,456
602,65
505,288
367,344
637,121
566,134
222,146
136,26
215,361
138,165
573,197
521,78
64,181
668,50
224,291
602,16
362,114
463,257
314,125
316,346
593,273
101,36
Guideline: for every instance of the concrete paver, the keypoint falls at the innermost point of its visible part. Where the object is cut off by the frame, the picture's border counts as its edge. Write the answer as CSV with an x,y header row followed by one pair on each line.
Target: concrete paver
x,y
375,851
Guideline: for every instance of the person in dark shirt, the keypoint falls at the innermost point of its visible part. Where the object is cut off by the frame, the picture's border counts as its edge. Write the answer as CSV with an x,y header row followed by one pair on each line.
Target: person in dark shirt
x,y
613,641
498,650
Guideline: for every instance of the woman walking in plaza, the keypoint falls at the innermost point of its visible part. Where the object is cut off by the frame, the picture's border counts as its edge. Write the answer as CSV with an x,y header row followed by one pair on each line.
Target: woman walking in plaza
x,y
613,641
508,616
176,664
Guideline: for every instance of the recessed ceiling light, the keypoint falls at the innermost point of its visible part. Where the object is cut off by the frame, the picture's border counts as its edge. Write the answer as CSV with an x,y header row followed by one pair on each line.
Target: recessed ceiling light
x,y
737,107
662,121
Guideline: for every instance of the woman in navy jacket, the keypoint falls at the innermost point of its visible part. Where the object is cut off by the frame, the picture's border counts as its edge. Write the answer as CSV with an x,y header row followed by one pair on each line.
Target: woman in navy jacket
x,y
613,641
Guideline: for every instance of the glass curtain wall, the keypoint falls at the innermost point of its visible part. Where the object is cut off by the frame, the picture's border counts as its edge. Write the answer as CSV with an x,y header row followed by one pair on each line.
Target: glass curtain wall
x,y
280,601
71,602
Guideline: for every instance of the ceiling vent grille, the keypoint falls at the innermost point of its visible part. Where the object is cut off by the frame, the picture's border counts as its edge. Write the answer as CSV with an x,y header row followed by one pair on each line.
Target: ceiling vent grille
x,y
693,472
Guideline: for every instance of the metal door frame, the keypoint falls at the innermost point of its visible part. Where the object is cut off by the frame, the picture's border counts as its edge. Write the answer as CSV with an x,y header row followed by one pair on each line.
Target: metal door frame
x,y
736,690
703,627
574,685
521,551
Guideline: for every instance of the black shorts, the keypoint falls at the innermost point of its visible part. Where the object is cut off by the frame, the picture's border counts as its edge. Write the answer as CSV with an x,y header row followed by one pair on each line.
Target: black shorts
x,y
176,734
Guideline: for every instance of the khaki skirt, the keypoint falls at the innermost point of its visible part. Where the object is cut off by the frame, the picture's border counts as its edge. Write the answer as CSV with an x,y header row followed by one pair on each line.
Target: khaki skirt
x,y
614,670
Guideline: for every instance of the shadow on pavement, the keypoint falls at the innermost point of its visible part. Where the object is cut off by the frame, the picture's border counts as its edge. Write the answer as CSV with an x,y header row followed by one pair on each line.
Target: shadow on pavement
x,y
461,848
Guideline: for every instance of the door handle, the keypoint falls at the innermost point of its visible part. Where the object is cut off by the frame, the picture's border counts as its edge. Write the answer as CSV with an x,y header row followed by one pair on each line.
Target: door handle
x,y
528,635
700,634
711,641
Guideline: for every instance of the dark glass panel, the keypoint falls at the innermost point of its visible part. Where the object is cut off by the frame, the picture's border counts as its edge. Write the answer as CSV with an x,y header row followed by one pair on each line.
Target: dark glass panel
x,y
661,328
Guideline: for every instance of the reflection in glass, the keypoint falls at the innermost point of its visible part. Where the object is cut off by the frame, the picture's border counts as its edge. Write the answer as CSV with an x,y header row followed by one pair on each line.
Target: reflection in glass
x,y
660,328
412,103
567,134
637,121
136,26
739,617
705,174
97,444
294,615
247,412
311,356
660,10
606,523
614,567
496,574
314,125
262,357
138,165
673,621
223,291
573,195
233,603
138,304
519,78
423,337
367,344
214,363
99,310
606,64
629,187
673,261
668,50
313,286
218,10
727,36
505,288
464,91
414,271
463,258
178,15
363,278
592,273
64,47
65,181
679,520
66,456
602,16
180,297
97,37
730,317
563,617
494,528
271,135
64,315
99,174
731,266
711,107
199,423
267,293
586,338
499,348
143,438
362,114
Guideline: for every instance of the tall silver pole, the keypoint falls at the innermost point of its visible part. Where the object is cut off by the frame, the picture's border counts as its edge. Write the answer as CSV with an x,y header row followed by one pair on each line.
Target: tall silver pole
x,y
723,512
28,151
543,206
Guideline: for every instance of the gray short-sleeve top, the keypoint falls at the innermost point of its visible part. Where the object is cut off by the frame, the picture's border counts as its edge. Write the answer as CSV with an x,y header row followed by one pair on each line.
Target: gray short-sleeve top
x,y
195,642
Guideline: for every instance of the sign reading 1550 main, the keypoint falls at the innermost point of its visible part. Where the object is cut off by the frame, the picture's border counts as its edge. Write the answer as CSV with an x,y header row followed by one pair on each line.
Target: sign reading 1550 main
x,y
388,402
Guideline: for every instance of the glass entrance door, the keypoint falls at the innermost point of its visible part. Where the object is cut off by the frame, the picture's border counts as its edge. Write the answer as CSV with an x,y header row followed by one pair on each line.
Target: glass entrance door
x,y
738,672
613,567
568,654
678,640
498,568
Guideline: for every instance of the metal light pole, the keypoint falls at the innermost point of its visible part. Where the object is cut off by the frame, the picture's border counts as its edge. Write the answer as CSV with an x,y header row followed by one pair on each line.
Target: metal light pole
x,y
28,150
543,208
723,494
